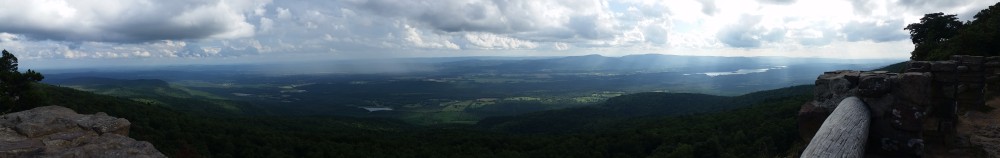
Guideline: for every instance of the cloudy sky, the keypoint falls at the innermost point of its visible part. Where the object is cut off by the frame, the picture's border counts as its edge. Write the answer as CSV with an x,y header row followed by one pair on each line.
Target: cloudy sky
x,y
207,31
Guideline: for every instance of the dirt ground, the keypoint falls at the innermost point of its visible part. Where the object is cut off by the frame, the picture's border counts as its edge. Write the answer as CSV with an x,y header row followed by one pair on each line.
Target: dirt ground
x,y
978,135
981,130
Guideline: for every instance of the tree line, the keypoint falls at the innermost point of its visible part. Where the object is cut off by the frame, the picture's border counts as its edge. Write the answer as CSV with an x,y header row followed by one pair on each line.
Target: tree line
x,y
938,36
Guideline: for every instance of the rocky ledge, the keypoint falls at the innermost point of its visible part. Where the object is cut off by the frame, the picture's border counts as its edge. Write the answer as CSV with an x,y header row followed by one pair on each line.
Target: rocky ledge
x,y
55,131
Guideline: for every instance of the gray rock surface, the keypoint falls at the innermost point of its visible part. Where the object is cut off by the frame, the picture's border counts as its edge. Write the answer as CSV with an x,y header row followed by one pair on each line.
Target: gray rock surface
x,y
54,131
924,99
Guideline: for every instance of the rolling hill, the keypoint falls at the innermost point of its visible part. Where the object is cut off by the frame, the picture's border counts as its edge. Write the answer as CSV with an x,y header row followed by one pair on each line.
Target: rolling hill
x,y
765,125
632,106
159,92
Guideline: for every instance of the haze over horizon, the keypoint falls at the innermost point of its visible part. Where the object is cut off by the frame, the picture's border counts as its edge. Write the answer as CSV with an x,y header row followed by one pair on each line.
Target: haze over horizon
x,y
63,33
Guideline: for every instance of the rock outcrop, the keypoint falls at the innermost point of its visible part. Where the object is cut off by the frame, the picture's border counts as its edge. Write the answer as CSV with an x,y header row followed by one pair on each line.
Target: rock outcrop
x,y
908,107
54,131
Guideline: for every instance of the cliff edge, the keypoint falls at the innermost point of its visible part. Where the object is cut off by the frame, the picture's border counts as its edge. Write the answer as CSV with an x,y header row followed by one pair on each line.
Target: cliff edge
x,y
932,109
55,131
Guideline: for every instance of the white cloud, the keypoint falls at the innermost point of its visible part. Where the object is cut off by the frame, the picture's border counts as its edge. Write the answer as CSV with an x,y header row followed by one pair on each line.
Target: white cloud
x,y
561,46
125,20
283,13
494,41
266,24
878,31
46,29
7,37
418,39
745,33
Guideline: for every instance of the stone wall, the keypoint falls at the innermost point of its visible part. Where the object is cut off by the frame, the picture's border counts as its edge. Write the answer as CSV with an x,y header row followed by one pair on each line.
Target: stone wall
x,y
55,131
925,99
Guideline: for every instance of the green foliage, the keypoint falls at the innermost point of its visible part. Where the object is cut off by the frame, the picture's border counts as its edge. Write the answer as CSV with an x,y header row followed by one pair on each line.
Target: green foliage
x,y
939,36
980,36
931,34
161,93
631,106
15,87
682,151
764,129
184,134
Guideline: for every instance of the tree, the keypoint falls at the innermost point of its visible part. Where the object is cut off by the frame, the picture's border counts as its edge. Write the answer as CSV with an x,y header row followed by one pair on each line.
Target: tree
x,y
15,87
931,35
980,36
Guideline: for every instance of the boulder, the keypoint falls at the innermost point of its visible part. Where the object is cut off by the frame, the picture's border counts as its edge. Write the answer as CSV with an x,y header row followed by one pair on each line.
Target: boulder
x,y
873,85
992,64
832,87
945,76
973,60
810,118
993,79
962,68
943,66
971,78
110,145
914,88
926,97
54,131
975,68
907,117
993,58
879,106
886,141
919,66
949,90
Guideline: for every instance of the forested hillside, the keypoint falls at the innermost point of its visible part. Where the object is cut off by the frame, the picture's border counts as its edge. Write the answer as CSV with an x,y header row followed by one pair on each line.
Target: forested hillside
x,y
938,35
160,93
764,128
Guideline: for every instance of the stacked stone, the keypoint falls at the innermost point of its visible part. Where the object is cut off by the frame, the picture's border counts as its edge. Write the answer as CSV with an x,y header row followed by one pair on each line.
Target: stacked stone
x,y
899,110
831,88
992,70
960,83
943,90
971,82
897,103
926,97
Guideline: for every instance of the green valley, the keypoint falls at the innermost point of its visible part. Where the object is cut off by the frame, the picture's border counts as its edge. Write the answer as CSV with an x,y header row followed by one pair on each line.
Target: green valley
x,y
767,125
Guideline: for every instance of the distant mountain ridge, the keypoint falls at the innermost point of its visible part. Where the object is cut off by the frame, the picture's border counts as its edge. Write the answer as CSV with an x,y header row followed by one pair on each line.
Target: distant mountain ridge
x,y
644,62
159,92
104,81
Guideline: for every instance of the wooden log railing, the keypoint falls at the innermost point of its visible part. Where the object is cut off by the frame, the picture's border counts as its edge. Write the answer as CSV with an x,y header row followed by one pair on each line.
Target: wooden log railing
x,y
843,133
